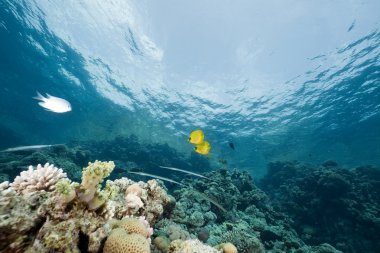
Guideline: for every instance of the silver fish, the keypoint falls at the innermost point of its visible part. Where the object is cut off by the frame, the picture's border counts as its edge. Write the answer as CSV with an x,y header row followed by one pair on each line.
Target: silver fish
x,y
28,147
204,196
155,176
184,171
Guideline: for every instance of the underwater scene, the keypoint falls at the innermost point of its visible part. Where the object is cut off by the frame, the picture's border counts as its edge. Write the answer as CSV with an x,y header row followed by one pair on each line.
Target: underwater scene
x,y
196,126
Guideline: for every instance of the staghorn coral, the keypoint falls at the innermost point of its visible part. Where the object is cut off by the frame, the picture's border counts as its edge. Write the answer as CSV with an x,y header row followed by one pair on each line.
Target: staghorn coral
x,y
38,179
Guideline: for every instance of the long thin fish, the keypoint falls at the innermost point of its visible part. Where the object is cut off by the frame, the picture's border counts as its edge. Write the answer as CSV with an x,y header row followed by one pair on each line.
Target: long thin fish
x,y
212,201
204,196
28,147
155,176
184,171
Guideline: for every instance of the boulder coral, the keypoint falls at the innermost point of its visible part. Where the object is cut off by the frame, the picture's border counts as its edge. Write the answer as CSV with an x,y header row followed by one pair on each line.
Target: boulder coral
x,y
120,241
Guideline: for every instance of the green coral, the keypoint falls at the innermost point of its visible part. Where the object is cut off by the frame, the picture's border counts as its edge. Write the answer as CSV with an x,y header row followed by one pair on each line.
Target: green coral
x,y
112,190
64,186
93,176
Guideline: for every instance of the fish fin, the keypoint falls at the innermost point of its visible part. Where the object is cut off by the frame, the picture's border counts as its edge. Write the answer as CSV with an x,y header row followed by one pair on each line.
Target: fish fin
x,y
48,95
43,104
39,96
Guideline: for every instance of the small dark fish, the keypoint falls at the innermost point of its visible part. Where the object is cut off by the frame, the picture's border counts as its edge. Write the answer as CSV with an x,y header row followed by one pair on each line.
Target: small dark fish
x,y
223,161
231,145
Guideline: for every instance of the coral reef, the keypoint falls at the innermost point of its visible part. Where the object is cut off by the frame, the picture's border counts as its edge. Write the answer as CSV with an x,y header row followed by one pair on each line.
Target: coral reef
x,y
251,224
41,178
119,241
71,159
56,214
328,203
73,217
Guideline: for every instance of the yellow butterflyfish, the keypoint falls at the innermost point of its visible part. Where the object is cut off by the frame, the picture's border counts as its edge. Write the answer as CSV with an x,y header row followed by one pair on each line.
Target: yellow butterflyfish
x,y
203,148
196,137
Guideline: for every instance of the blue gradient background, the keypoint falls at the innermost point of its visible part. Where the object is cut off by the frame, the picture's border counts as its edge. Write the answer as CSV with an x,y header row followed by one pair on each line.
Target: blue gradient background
x,y
282,80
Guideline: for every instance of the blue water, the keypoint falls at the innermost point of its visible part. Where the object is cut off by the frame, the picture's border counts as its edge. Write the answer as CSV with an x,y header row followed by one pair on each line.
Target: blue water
x,y
126,68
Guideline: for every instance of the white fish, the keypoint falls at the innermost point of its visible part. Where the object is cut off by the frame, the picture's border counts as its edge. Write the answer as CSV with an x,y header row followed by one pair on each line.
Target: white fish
x,y
28,147
53,104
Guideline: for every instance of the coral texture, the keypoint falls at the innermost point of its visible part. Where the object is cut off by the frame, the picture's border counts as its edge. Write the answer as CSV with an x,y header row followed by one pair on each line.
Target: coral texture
x,y
153,197
328,203
58,220
120,241
190,246
41,178
92,177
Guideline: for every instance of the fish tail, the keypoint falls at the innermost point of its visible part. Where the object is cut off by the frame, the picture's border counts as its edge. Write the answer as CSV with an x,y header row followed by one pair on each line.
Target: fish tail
x,y
39,96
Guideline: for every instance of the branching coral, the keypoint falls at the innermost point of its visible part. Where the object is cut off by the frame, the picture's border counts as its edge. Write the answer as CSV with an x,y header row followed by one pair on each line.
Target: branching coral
x,y
93,175
38,179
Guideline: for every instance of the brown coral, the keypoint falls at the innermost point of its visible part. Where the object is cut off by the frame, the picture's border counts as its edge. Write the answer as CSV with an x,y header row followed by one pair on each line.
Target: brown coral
x,y
134,226
119,241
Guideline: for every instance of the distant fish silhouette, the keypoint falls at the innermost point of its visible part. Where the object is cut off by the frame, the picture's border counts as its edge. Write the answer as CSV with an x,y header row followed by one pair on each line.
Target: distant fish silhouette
x,y
204,196
184,171
231,145
155,176
28,147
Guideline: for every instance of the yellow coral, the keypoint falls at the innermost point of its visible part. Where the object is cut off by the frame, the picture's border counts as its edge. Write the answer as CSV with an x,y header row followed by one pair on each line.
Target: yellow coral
x,y
98,200
134,226
162,243
227,247
92,176
119,242
190,246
